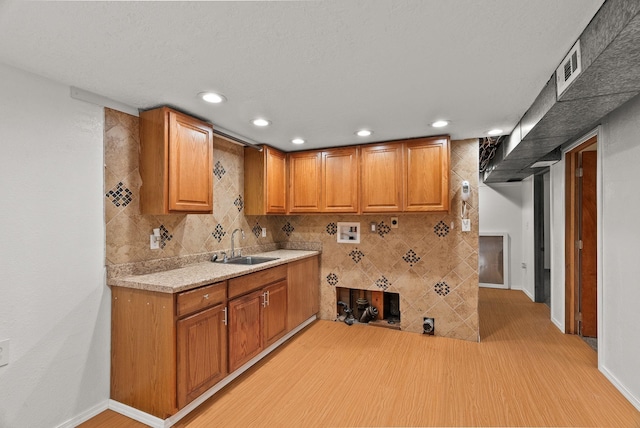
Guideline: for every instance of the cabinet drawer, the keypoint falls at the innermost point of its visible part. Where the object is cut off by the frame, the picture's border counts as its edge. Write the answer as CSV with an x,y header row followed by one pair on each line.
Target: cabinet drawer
x,y
200,298
253,281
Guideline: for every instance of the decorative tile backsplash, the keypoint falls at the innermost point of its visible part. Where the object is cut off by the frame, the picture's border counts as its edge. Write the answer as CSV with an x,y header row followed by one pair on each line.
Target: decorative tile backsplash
x,y
430,265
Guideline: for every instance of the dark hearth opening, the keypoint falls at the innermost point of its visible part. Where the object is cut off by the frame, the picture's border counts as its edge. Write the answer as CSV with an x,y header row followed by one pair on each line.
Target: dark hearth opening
x,y
377,308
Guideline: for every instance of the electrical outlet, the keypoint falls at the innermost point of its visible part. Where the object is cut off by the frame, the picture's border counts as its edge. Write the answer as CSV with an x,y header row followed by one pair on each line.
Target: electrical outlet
x,y
394,222
154,244
428,326
466,225
4,352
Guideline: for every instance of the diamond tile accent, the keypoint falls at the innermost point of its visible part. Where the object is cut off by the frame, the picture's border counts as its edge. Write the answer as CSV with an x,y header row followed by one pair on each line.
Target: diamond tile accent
x,y
218,170
442,288
332,228
239,203
356,255
383,283
219,232
383,229
120,195
411,257
165,236
332,279
257,230
441,229
288,228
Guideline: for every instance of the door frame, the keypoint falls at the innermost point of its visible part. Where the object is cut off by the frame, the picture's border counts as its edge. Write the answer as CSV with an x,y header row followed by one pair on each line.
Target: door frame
x,y
571,274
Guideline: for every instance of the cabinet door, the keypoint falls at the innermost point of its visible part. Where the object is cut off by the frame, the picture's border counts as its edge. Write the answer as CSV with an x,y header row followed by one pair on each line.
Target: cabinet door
x,y
275,177
245,333
426,174
202,353
190,164
304,182
303,291
381,184
340,180
275,312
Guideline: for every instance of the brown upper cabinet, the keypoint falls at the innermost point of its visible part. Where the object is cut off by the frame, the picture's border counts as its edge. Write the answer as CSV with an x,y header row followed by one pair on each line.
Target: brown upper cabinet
x,y
426,174
406,176
176,163
324,181
265,181
381,188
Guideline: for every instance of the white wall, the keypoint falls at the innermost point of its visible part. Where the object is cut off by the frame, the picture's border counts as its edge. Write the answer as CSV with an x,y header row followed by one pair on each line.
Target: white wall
x,y
501,211
619,344
528,256
54,304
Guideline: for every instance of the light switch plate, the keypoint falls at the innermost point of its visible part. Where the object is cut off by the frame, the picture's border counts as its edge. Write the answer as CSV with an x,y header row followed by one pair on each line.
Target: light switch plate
x,y
264,232
4,352
466,225
154,244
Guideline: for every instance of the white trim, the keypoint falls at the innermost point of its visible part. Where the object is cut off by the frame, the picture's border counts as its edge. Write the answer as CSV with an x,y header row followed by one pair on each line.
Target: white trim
x,y
623,390
136,414
558,324
99,100
506,260
155,422
529,295
85,416
500,286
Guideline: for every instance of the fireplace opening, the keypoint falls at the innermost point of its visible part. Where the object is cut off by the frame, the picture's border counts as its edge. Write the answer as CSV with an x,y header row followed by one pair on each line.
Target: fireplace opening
x,y
377,308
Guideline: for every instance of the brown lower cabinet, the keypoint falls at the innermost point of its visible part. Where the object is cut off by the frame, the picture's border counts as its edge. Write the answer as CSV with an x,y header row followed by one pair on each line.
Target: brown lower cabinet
x,y
257,319
168,349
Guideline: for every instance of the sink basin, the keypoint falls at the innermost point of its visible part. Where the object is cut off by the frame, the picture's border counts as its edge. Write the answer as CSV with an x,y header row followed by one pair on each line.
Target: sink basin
x,y
247,260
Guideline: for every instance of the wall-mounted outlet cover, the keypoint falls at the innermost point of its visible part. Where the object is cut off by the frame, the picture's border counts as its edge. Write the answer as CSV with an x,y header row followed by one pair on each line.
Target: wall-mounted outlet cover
x,y
394,222
466,225
428,326
372,227
4,352
264,232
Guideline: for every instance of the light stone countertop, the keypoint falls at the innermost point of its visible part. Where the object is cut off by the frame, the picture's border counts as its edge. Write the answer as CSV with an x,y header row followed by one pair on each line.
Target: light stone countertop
x,y
196,275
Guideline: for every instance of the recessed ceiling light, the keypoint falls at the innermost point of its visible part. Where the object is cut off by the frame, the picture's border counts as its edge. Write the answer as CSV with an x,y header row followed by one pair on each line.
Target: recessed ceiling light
x,y
297,141
212,97
364,133
440,123
261,122
495,132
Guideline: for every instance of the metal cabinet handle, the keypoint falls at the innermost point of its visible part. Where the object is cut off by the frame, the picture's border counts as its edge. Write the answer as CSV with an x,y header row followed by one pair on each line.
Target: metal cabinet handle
x,y
206,296
225,316
264,299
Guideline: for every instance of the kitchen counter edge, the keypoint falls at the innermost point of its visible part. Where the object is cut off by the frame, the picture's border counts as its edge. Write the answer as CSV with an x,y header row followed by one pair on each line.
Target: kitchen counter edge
x,y
199,274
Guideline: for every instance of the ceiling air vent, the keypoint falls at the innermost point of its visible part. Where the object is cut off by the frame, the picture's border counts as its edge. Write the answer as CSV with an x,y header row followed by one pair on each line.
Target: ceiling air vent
x,y
569,69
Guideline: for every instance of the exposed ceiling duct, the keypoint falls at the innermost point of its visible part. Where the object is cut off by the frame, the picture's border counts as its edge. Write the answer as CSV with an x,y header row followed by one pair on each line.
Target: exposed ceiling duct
x,y
609,59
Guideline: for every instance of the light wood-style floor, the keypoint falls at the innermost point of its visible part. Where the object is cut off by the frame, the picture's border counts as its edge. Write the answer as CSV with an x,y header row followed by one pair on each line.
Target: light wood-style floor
x,y
523,373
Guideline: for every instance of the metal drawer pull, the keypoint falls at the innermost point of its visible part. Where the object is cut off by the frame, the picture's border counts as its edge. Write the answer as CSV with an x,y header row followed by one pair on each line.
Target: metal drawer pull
x,y
225,316
264,299
206,296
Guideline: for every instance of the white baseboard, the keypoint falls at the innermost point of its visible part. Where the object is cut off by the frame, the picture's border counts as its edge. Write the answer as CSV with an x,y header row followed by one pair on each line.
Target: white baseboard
x,y
529,295
156,422
635,401
85,416
500,286
558,324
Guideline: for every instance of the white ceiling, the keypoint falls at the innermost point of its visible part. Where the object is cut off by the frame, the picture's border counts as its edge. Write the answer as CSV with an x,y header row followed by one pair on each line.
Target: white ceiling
x,y
319,70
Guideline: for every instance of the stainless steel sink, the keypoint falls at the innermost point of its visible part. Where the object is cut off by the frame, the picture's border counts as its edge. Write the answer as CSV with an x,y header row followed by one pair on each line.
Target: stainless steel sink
x,y
247,260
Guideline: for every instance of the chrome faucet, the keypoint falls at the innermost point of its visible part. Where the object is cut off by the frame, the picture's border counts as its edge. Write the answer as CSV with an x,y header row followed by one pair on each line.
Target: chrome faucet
x,y
233,235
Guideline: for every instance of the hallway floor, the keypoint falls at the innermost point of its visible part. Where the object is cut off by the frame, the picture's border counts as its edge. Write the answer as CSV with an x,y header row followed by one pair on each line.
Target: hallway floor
x,y
523,373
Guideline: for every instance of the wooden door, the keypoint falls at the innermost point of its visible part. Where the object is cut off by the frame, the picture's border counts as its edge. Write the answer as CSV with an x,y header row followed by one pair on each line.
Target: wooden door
x,y
588,254
303,291
381,182
305,170
426,174
245,333
276,190
275,312
190,164
340,180
202,353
